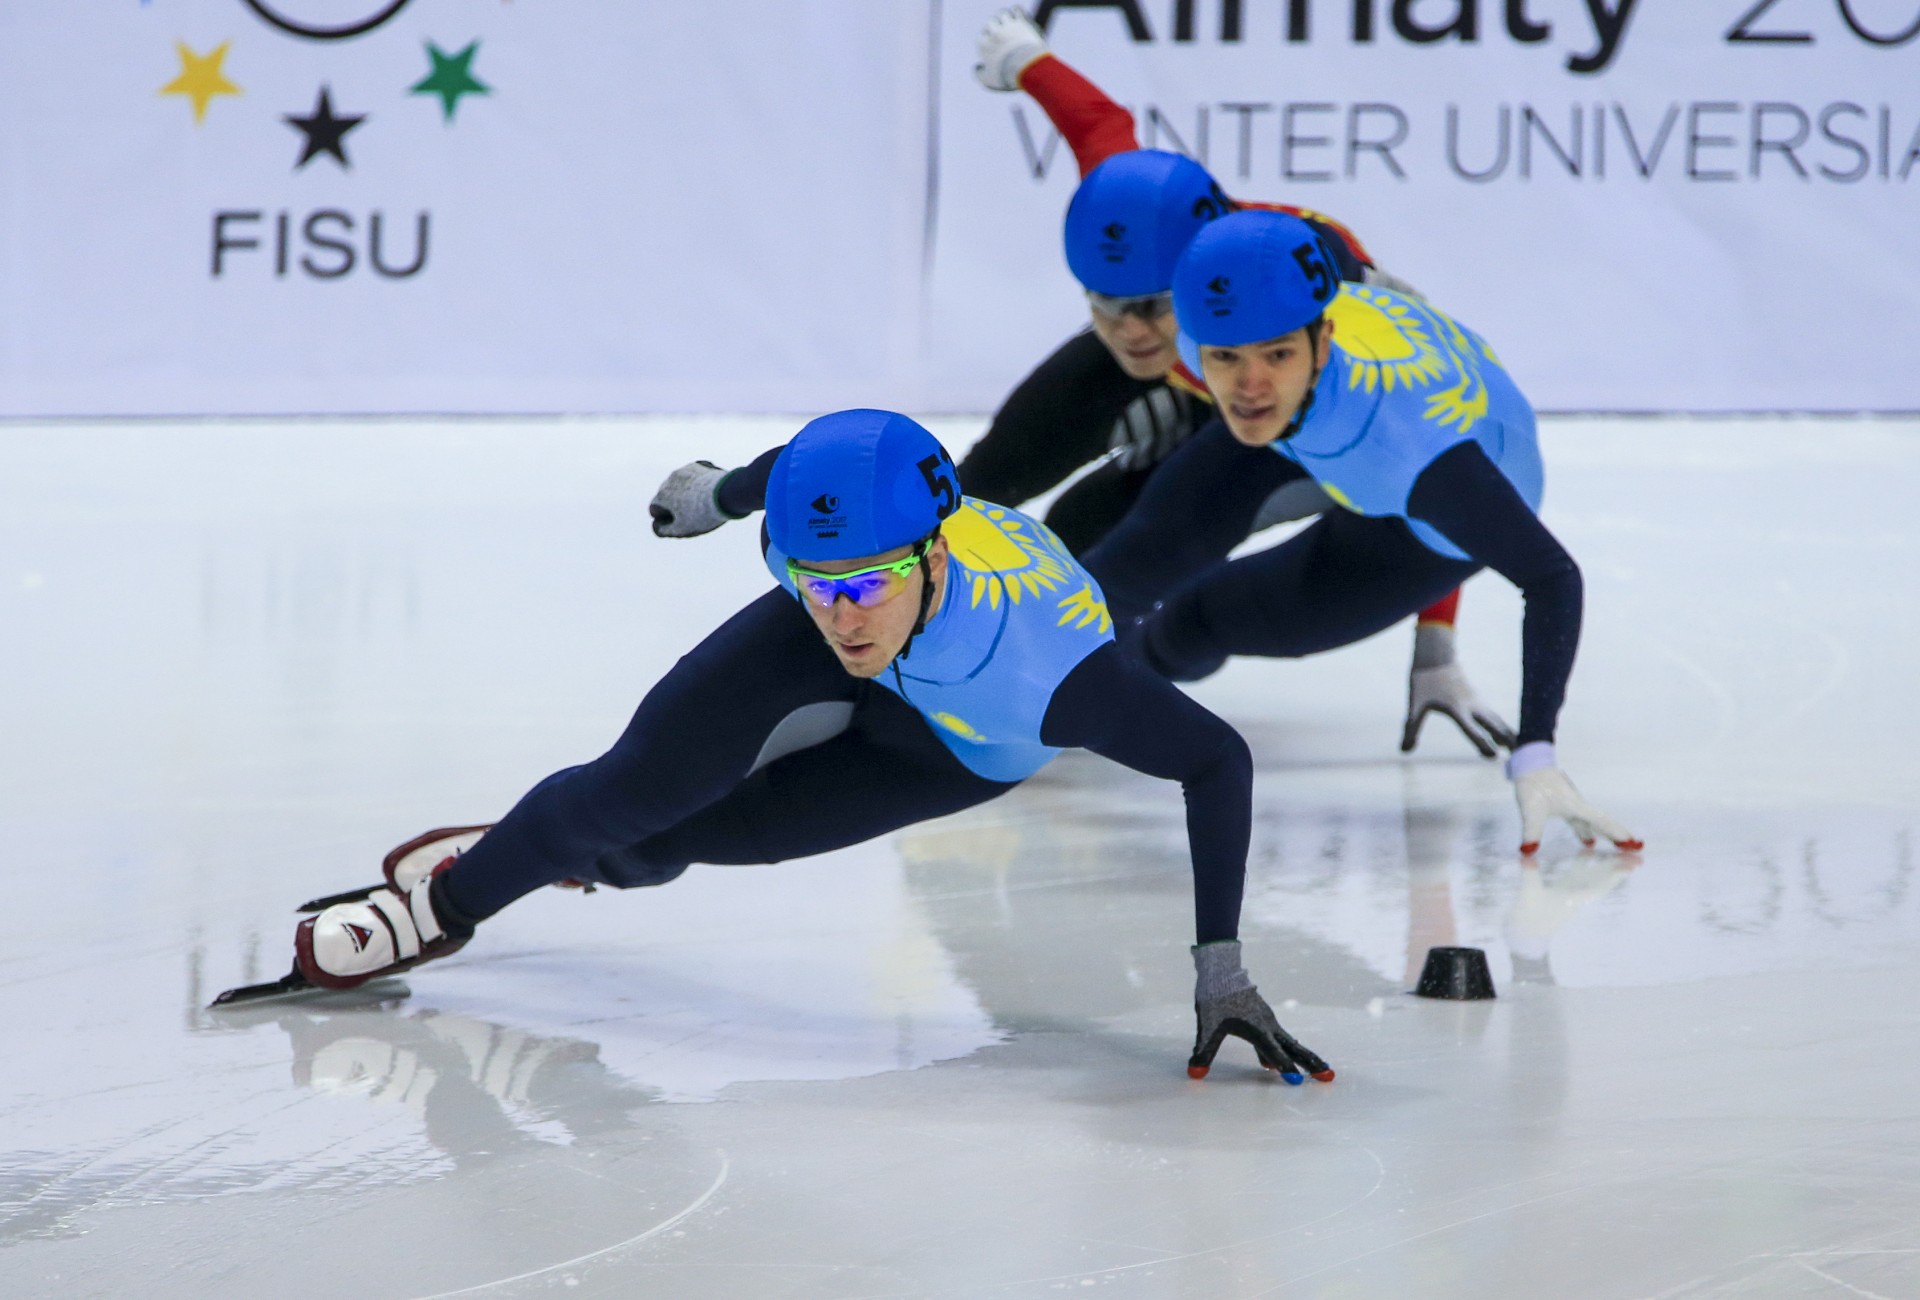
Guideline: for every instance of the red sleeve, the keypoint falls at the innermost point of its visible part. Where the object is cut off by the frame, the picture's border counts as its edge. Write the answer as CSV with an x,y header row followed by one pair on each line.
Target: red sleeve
x,y
1094,126
1443,610
1186,381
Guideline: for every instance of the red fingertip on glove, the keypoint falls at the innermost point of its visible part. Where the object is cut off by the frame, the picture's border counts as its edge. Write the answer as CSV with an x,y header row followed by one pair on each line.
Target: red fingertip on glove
x,y
1196,1071
1530,848
1630,846
1325,1076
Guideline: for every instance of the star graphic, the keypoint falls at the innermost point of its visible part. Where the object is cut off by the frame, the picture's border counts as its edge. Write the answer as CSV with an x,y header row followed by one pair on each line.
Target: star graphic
x,y
450,78
200,78
325,133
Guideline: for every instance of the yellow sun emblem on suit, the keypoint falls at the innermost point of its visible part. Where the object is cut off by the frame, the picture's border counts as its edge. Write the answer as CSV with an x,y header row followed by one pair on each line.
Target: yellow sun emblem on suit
x,y
960,727
1387,344
1391,343
1003,555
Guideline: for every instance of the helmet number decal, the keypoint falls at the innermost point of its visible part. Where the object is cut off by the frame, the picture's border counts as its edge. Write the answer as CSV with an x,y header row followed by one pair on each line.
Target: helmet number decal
x,y
938,471
1214,203
1313,265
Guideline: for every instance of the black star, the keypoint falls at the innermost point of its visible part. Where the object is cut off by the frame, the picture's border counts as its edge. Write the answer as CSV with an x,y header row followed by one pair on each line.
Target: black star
x,y
325,133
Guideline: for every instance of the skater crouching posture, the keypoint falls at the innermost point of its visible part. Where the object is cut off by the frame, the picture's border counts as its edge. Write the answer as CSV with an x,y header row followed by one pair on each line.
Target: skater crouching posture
x,y
926,652
1405,418
1117,393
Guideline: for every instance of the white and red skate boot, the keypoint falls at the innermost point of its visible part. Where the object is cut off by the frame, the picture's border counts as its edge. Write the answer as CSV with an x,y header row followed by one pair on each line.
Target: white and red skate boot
x,y
387,931
420,856
423,854
409,864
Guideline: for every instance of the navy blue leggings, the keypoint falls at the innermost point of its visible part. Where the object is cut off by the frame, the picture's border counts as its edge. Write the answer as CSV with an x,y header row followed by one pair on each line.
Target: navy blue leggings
x,y
679,786
1342,579
1338,581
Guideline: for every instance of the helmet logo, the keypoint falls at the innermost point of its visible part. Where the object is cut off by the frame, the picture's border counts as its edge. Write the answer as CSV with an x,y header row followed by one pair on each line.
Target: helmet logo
x,y
1115,246
1220,303
826,521
1115,230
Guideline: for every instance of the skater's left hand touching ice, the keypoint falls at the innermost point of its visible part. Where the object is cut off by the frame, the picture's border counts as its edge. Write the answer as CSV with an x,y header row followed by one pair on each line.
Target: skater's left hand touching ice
x,y
687,504
1226,1004
1545,792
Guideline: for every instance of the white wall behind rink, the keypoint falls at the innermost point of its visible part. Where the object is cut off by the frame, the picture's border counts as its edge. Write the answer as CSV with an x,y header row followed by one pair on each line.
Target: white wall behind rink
x,y
795,205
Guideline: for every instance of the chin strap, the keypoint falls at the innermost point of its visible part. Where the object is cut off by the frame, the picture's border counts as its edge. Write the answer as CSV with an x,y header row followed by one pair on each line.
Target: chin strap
x,y
926,604
920,549
1314,332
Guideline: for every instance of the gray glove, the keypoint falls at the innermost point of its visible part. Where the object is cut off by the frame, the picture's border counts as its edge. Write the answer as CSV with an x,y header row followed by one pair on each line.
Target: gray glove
x,y
1153,425
686,505
1225,1002
1437,685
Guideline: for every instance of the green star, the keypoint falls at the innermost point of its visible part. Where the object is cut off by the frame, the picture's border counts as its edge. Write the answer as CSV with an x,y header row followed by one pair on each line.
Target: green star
x,y
450,77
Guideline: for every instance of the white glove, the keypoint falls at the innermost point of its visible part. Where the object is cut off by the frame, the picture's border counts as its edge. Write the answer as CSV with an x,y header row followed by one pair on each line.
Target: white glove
x,y
1544,792
1008,43
685,505
1438,686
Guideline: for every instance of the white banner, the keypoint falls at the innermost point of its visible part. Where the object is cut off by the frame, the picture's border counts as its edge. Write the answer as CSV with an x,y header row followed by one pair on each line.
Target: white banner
x,y
458,205
213,206
1643,204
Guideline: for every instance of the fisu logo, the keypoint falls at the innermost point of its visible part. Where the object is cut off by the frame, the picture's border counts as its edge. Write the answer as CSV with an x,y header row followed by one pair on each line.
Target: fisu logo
x,y
296,25
331,124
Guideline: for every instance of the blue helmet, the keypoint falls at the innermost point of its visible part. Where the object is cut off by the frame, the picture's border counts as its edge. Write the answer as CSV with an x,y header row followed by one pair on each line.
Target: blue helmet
x,y
857,483
1249,277
1133,216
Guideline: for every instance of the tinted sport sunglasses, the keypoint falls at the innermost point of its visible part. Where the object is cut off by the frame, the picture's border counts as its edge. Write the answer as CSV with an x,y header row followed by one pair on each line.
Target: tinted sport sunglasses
x,y
874,585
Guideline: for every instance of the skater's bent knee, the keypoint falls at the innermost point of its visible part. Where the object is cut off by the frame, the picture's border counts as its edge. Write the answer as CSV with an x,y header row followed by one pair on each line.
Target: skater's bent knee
x,y
633,868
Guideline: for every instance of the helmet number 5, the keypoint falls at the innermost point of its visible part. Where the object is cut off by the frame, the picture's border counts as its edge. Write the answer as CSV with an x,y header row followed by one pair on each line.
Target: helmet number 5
x,y
1314,267
940,483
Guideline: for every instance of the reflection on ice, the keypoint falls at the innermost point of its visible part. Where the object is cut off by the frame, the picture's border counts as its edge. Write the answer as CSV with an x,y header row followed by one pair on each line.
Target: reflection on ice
x,y
1355,873
478,1089
247,661
1542,905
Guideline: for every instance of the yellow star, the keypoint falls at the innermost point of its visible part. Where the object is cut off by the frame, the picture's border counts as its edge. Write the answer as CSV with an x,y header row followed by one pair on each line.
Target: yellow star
x,y
200,78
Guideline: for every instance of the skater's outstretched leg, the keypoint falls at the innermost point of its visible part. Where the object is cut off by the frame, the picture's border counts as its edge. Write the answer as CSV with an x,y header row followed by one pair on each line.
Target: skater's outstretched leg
x,y
888,770
693,739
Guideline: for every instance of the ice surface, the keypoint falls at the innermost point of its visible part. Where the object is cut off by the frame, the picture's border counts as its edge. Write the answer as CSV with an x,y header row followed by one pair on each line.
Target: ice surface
x,y
241,660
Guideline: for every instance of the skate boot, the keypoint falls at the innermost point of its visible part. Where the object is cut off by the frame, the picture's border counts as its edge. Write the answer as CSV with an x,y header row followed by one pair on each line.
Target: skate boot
x,y
409,864
420,856
349,943
423,854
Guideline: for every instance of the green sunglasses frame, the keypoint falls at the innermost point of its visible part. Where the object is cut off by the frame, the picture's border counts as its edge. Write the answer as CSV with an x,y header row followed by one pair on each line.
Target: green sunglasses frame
x,y
903,567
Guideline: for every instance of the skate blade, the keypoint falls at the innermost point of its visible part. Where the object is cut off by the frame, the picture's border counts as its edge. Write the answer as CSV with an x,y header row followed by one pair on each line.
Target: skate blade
x,y
322,904
293,986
